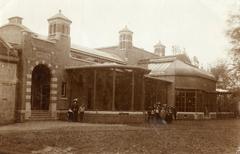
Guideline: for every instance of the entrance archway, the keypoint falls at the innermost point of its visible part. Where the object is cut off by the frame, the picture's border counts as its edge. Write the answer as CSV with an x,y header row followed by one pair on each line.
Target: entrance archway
x,y
40,97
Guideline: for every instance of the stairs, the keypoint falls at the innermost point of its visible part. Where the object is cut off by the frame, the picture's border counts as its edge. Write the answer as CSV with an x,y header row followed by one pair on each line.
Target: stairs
x,y
41,115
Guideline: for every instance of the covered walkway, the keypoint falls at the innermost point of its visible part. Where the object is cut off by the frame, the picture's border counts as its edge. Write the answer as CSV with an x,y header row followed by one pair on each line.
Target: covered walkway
x,y
108,87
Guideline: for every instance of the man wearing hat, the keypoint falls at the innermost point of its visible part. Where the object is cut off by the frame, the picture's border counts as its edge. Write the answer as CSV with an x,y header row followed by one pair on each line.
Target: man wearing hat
x,y
75,108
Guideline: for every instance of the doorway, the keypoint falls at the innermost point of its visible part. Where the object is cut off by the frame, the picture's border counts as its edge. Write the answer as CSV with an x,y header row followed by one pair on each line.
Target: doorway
x,y
40,96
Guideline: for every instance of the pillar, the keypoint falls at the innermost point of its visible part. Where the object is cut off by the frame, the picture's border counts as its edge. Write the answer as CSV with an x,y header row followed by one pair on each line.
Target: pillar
x,y
143,93
133,86
195,103
94,89
114,89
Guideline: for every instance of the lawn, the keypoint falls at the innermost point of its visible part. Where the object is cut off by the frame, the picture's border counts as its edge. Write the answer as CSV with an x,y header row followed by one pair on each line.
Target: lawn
x,y
212,136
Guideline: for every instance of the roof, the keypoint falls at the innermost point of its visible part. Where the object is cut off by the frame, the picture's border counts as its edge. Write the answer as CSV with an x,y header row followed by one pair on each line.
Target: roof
x,y
170,58
17,25
97,53
59,15
158,79
15,17
177,68
125,29
108,65
116,51
159,45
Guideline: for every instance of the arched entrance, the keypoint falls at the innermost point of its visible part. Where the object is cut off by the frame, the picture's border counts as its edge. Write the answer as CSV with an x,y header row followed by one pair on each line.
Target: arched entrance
x,y
40,96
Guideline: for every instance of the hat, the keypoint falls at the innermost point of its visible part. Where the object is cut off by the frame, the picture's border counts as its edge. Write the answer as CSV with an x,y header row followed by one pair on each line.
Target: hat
x,y
75,99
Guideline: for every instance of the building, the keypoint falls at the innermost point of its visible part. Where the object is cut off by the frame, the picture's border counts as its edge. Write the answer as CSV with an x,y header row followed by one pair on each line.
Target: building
x,y
40,75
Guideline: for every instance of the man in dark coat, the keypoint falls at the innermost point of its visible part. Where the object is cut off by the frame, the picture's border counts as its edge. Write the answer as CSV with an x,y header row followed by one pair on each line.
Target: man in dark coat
x,y
75,108
174,112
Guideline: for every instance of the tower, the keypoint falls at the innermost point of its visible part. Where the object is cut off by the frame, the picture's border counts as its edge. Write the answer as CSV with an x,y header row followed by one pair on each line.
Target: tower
x,y
59,26
15,20
125,39
159,49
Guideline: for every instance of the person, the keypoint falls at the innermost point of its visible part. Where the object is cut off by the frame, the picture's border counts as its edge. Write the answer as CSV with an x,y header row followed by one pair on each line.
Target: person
x,y
169,115
163,115
174,112
156,113
70,114
75,108
150,114
81,112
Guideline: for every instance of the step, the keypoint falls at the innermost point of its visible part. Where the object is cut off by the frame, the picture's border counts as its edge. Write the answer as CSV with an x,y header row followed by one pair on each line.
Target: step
x,y
41,118
41,115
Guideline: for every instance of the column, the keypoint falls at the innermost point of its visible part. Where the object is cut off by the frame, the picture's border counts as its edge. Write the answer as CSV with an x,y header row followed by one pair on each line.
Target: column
x,y
133,86
185,101
94,89
143,93
195,99
114,89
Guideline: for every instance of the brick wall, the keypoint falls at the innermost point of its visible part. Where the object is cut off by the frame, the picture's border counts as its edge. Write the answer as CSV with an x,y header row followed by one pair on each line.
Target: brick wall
x,y
7,91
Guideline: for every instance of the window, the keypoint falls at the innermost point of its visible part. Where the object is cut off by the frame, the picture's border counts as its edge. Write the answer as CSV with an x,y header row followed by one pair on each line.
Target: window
x,y
63,91
54,28
50,29
63,29
185,100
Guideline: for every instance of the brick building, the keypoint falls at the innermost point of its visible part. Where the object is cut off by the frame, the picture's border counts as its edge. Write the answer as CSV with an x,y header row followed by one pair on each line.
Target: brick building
x,y
42,74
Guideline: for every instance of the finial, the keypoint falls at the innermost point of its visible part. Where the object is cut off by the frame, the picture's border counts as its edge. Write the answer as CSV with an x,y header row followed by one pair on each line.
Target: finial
x,y
60,11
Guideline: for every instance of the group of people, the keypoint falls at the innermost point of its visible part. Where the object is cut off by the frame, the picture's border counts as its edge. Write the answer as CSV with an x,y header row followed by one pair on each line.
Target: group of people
x,y
76,111
161,113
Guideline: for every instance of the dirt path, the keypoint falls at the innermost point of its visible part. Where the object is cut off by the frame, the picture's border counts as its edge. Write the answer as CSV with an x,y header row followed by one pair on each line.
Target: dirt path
x,y
41,125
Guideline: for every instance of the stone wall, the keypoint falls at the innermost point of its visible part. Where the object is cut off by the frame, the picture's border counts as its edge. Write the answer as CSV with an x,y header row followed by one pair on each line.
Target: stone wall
x,y
109,117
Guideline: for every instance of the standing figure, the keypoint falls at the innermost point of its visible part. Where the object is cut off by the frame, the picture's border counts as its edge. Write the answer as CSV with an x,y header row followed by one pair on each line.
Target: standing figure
x,y
75,108
70,114
150,115
174,112
81,112
169,115
163,115
157,113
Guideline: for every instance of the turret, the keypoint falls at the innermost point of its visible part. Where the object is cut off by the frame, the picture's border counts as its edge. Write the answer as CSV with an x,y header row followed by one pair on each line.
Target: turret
x,y
159,49
125,39
59,25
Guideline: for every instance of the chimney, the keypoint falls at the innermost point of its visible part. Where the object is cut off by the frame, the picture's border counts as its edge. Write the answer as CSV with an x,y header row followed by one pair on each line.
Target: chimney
x,y
15,20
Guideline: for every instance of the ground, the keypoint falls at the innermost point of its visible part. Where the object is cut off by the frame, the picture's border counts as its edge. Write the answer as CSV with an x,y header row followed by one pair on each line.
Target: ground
x,y
211,136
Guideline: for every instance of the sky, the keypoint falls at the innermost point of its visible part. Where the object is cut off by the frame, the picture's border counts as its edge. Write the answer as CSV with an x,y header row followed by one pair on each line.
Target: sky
x,y
199,26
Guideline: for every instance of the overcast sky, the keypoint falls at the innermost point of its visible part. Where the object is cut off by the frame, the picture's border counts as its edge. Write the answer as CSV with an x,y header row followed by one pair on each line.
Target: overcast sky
x,y
197,25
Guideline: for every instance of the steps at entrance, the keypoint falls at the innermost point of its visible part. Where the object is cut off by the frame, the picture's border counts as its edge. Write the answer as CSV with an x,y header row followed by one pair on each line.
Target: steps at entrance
x,y
40,115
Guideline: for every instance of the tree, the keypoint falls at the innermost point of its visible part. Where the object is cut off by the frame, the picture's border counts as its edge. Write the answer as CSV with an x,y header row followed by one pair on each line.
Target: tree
x,y
222,74
233,34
